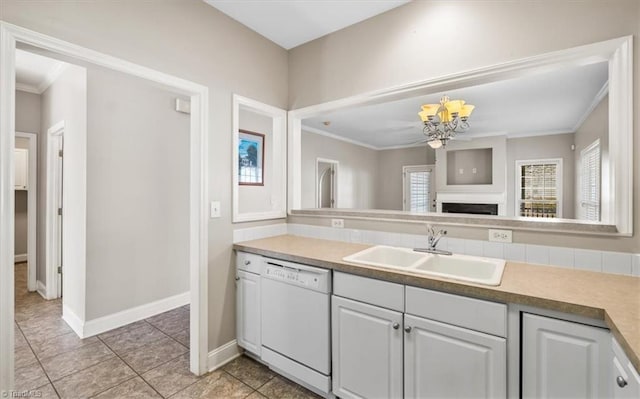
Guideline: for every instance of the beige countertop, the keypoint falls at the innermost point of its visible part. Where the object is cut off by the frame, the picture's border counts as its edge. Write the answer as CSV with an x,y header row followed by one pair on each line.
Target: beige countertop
x,y
612,298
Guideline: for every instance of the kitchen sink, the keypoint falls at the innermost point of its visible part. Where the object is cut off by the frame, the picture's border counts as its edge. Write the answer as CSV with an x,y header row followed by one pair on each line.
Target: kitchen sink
x,y
391,257
474,269
479,270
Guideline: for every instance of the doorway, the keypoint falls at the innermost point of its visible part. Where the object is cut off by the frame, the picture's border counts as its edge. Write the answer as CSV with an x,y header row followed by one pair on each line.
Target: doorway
x,y
418,188
326,183
196,187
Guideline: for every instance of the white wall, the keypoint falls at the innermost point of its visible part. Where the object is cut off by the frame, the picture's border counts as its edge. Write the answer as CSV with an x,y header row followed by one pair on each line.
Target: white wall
x,y
137,194
194,41
390,49
66,100
357,171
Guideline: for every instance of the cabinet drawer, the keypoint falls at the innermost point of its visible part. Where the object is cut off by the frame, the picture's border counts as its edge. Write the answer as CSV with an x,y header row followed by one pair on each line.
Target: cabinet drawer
x,y
249,262
369,290
475,314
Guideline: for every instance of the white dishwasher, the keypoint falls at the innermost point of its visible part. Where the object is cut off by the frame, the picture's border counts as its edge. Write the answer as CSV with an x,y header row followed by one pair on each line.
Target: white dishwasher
x,y
296,326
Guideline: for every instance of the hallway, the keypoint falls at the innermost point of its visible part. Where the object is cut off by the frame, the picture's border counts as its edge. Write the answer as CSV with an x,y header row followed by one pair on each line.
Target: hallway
x,y
145,359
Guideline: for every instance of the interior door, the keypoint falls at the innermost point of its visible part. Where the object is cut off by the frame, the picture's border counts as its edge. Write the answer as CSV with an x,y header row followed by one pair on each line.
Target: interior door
x,y
59,218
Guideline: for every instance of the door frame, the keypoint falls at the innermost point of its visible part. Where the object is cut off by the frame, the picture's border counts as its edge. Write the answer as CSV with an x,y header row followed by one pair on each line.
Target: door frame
x,y
431,168
334,181
10,36
32,209
52,200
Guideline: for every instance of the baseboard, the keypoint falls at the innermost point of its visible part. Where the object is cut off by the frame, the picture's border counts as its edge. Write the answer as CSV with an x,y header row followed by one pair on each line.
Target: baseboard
x,y
75,322
122,318
42,289
223,355
19,258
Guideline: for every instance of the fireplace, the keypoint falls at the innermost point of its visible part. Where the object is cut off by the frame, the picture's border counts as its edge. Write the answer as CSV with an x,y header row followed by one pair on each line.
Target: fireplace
x,y
474,209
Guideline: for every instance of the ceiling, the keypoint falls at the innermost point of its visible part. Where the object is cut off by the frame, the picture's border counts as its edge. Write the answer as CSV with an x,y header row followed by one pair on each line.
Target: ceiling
x,y
547,103
35,73
290,23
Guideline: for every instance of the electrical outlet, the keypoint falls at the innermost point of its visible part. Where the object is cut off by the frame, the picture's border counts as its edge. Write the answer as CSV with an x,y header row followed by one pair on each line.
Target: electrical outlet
x,y
337,223
500,235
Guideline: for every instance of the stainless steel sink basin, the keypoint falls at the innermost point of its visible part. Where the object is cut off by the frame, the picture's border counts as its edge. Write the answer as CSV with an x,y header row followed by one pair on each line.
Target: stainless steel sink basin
x,y
384,256
487,271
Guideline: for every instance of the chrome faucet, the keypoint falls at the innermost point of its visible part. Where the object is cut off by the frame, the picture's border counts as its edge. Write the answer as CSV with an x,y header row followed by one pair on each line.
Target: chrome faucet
x,y
433,237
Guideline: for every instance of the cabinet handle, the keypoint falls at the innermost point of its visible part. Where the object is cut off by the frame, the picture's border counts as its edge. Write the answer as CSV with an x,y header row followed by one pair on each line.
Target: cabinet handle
x,y
407,329
621,381
237,278
395,326
247,262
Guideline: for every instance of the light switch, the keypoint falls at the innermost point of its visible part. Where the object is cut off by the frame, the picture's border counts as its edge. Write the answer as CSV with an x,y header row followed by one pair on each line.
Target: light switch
x,y
215,209
474,170
461,171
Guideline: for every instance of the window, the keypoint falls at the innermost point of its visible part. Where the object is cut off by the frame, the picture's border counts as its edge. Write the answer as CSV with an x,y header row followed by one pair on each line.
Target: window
x,y
539,188
590,182
417,185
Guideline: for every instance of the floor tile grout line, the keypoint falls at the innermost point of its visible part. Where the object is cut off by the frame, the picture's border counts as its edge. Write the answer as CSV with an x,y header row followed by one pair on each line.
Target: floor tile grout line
x,y
39,363
115,386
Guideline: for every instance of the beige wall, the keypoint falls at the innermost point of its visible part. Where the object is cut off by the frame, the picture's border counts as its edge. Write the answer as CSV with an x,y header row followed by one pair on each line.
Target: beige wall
x,y
357,171
595,127
389,177
137,194
389,50
27,121
189,39
543,147
466,161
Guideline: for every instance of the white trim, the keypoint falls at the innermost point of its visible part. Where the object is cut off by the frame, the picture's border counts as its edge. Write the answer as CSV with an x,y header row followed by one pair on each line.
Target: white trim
x,y
278,154
334,181
559,183
618,209
42,289
32,209
51,242
418,168
73,320
27,88
223,355
19,258
106,323
198,187
324,133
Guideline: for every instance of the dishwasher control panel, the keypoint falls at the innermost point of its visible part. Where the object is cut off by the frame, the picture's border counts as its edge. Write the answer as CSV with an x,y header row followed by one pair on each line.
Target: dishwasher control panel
x,y
299,275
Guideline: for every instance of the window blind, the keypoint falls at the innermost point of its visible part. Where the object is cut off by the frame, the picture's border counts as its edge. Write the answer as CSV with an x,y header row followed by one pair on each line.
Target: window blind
x,y
590,182
538,192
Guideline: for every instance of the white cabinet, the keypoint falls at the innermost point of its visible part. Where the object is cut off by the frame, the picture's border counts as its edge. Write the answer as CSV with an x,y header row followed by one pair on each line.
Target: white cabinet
x,y
21,167
561,359
248,313
381,352
444,361
367,350
624,377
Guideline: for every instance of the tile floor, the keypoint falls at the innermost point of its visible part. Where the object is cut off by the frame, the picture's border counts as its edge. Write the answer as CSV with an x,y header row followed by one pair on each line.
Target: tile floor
x,y
145,359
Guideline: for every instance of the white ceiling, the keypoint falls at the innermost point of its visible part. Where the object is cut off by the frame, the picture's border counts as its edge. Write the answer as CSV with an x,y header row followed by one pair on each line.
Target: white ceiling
x,y
290,23
34,73
549,103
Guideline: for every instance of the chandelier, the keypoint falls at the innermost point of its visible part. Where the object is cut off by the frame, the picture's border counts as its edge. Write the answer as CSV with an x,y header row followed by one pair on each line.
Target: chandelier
x,y
442,121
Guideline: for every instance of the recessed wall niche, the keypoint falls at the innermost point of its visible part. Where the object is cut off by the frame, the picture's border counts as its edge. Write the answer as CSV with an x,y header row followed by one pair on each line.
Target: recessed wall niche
x,y
473,166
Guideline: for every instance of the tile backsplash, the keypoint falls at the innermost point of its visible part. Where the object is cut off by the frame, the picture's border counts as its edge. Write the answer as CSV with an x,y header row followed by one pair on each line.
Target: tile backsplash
x,y
572,258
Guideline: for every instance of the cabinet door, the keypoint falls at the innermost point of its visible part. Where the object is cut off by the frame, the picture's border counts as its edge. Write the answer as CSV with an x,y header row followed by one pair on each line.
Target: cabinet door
x,y
21,165
248,312
367,350
561,359
444,361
